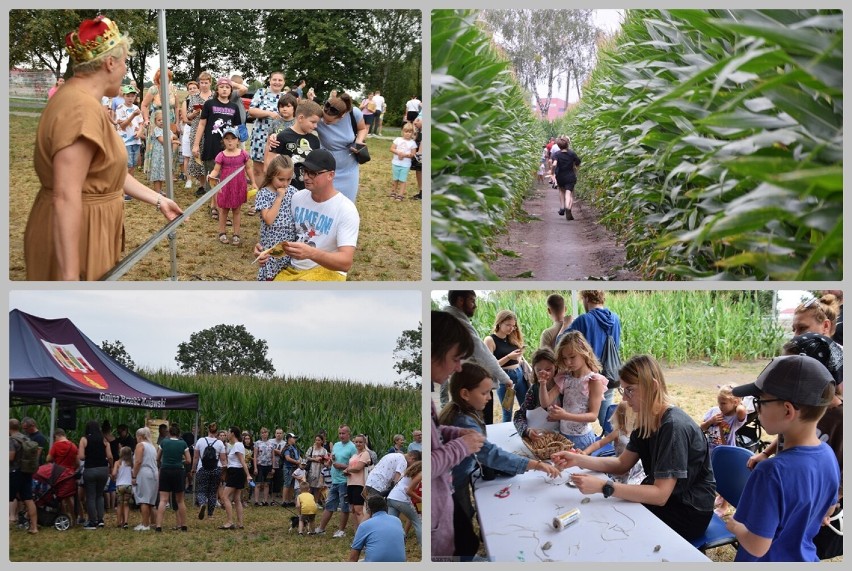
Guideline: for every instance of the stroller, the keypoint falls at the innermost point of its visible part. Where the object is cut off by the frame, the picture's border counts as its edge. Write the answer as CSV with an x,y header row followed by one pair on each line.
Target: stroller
x,y
750,434
52,483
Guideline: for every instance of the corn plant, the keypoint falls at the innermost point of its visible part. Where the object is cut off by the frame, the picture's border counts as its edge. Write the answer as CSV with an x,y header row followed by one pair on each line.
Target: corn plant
x,y
484,145
713,140
674,326
299,405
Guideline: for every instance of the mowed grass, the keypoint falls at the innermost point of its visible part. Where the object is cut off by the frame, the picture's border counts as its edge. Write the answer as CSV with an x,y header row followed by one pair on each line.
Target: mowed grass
x,y
389,243
265,538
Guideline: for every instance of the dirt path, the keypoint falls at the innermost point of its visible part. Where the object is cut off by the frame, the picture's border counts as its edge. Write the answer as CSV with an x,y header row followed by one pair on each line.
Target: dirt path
x,y
552,248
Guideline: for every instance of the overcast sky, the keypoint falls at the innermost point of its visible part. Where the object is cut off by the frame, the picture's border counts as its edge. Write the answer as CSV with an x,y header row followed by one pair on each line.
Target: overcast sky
x,y
335,334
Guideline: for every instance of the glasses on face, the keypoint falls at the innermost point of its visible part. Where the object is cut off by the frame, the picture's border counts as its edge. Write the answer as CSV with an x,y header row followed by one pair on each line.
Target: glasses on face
x,y
759,402
313,174
331,110
626,392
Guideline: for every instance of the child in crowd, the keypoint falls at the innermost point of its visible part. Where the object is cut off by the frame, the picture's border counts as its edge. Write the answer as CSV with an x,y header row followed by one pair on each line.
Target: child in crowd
x,y
287,105
403,148
721,424
298,140
276,217
789,496
306,505
623,423
157,175
530,419
121,474
234,194
186,133
404,496
582,387
128,116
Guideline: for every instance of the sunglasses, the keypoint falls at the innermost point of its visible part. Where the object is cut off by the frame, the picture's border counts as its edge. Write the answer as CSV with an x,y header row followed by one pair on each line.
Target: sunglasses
x,y
313,174
331,110
759,402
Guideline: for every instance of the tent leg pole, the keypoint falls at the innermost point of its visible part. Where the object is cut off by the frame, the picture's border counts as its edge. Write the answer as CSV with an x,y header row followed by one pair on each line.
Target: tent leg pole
x,y
52,419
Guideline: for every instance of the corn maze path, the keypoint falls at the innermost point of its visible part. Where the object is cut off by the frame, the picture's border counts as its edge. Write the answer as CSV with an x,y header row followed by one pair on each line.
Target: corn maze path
x,y
552,248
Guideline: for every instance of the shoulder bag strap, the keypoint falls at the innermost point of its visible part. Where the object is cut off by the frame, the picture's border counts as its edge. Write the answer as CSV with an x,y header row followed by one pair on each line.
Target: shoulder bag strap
x,y
354,125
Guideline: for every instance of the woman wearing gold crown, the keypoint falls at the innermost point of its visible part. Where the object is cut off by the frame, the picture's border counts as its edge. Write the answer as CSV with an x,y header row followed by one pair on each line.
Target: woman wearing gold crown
x,y
76,226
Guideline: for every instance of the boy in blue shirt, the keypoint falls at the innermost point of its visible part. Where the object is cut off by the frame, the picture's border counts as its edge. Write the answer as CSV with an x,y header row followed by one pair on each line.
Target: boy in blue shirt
x,y
788,497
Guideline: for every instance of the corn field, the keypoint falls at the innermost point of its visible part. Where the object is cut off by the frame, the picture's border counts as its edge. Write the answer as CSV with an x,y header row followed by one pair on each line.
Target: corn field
x,y
485,145
298,405
674,326
713,140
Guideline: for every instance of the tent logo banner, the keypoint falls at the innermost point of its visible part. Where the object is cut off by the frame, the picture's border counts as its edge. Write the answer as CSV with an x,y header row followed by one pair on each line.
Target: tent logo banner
x,y
75,365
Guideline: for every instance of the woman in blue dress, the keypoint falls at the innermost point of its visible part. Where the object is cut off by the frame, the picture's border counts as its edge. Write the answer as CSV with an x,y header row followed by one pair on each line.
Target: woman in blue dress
x,y
337,136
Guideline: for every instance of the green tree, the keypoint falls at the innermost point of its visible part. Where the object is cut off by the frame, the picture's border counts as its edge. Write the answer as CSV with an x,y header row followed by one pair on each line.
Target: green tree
x,y
225,350
118,352
409,357
39,37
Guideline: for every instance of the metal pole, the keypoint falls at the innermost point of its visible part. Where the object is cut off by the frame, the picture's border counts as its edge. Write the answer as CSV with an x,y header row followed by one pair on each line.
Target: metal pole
x,y
52,422
164,97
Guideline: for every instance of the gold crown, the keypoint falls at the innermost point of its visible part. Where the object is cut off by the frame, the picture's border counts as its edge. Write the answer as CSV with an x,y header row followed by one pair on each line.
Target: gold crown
x,y
92,40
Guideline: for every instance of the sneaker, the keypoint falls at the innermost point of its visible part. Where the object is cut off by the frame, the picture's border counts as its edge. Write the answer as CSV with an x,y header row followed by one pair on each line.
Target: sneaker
x,y
188,184
124,526
561,212
273,503
202,512
100,523
90,525
339,533
319,531
418,196
141,527
568,215
199,192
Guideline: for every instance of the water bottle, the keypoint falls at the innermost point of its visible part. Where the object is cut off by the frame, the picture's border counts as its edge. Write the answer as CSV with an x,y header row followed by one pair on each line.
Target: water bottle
x,y
251,483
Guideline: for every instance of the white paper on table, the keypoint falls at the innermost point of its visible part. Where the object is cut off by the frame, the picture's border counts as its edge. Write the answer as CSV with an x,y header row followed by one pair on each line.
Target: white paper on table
x,y
537,418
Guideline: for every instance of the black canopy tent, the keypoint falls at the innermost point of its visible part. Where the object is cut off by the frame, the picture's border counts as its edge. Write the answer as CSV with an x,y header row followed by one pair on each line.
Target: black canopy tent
x,y
53,362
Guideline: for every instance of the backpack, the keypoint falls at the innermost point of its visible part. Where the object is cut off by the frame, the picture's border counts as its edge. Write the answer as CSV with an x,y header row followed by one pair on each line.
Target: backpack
x,y
610,362
29,454
209,458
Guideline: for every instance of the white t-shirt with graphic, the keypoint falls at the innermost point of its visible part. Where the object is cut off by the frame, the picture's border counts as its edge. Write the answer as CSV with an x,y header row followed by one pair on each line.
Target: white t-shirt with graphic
x,y
128,134
325,225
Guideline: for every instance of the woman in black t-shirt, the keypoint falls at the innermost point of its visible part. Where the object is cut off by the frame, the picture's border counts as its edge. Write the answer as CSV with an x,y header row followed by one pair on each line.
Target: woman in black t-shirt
x,y
679,487
506,342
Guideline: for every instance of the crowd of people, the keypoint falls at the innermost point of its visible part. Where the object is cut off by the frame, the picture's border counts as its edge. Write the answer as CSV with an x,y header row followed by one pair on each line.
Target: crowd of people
x,y
228,469
75,228
790,507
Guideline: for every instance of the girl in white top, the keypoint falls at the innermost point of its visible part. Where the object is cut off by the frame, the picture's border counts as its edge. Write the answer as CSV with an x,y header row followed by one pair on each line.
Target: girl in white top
x,y
623,423
403,148
121,474
399,500
582,387
236,477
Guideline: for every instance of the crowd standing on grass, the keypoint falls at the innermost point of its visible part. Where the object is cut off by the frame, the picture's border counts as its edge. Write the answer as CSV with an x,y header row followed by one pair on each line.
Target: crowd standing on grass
x,y
226,469
791,507
78,206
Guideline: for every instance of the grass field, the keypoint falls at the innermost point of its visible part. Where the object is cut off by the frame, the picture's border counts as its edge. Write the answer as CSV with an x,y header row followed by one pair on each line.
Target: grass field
x,y
265,538
389,244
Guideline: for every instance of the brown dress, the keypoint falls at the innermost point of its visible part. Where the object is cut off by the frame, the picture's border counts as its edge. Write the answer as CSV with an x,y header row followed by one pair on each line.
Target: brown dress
x,y
68,116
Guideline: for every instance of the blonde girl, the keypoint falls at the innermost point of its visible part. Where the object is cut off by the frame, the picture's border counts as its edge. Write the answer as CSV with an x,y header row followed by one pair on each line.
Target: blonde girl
x,y
582,388
277,225
623,423
235,193
679,487
506,343
121,474
814,316
470,391
531,418
157,172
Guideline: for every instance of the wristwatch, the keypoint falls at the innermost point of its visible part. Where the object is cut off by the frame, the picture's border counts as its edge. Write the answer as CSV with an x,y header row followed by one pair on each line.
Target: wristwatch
x,y
608,488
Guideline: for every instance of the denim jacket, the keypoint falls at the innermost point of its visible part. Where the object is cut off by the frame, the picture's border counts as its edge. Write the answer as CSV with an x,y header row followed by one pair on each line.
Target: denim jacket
x,y
489,455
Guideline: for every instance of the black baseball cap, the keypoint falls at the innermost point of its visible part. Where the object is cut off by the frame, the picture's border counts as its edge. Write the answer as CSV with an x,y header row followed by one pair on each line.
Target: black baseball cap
x,y
796,378
320,160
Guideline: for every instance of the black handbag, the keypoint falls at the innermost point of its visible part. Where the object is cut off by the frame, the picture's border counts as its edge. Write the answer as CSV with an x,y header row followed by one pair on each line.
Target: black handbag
x,y
361,152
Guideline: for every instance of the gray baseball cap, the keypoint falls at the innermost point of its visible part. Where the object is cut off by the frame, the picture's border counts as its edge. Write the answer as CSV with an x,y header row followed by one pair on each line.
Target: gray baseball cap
x,y
796,378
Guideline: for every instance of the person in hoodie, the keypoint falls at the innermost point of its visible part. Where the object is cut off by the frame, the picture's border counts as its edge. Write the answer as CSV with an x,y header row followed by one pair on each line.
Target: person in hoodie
x,y
595,325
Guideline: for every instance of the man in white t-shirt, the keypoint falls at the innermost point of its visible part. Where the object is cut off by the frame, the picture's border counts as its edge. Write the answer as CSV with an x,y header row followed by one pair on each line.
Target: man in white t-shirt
x,y
327,226
379,113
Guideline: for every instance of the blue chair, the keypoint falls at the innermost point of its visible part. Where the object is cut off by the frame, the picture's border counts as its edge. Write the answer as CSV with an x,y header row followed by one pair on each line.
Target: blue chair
x,y
729,468
609,449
